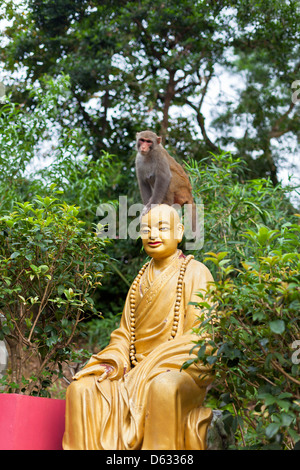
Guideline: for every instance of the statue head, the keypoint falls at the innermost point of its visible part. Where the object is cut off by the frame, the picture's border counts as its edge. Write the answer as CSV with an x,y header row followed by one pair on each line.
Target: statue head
x,y
161,231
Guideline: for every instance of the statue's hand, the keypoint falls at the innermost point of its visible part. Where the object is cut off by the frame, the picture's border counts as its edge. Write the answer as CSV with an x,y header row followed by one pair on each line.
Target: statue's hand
x,y
108,370
101,370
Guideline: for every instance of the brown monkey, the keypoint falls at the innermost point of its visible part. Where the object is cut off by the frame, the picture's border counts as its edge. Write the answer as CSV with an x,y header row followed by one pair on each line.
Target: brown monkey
x,y
161,179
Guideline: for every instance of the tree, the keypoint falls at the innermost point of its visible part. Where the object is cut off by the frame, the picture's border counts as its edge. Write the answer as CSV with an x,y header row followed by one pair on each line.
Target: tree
x,y
252,247
51,262
50,266
138,62
267,56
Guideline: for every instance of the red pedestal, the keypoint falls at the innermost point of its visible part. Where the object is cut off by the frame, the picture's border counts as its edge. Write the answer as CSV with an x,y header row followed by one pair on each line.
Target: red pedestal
x,y
31,423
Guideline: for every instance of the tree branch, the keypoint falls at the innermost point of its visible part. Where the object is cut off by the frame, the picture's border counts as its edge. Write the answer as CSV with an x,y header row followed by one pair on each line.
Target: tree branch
x,y
200,120
275,131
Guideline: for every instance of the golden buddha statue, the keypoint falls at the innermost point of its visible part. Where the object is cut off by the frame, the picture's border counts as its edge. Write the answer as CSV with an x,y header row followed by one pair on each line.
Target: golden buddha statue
x,y
133,395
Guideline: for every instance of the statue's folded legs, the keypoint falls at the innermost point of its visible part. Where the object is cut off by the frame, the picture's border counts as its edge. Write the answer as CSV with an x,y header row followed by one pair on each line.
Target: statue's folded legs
x,y
172,397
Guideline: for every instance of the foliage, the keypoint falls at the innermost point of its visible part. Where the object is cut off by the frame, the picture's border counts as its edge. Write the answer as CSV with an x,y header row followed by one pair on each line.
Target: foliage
x,y
231,202
41,152
89,75
36,151
50,265
93,73
97,331
251,312
152,64
18,139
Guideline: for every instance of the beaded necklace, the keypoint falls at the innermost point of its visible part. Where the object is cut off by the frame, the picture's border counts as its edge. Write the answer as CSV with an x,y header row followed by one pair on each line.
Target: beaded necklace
x,y
135,285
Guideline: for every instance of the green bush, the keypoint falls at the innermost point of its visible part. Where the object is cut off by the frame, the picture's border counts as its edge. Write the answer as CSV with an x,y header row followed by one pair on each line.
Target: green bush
x,y
253,236
50,265
97,331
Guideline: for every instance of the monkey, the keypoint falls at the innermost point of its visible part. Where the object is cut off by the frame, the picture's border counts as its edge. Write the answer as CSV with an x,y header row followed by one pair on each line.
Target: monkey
x,y
161,179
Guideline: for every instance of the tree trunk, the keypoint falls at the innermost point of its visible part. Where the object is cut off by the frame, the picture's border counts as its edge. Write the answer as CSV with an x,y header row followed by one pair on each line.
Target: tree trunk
x,y
16,361
170,93
270,164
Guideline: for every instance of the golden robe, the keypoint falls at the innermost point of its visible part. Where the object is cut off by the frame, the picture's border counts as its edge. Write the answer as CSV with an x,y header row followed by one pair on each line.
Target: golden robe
x,y
153,405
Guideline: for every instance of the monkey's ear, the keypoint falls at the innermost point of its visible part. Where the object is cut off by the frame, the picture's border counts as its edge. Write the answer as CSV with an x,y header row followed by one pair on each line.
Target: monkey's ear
x,y
159,140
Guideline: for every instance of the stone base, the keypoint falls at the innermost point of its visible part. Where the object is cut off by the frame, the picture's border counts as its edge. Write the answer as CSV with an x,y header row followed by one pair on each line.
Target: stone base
x,y
218,438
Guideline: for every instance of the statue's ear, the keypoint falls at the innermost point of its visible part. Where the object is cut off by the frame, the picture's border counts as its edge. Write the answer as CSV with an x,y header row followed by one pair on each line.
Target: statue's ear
x,y
159,140
180,231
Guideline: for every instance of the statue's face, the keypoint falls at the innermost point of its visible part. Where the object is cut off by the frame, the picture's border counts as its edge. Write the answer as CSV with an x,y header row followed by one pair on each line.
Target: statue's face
x,y
161,231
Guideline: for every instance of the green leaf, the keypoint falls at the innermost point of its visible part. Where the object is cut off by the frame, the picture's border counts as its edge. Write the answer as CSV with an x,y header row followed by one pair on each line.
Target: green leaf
x,y
284,404
188,363
294,435
60,289
211,359
259,315
272,429
277,326
10,223
44,268
286,419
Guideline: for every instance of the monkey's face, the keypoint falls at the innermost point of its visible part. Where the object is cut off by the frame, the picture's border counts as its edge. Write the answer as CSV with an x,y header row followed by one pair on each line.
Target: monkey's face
x,y
145,146
146,141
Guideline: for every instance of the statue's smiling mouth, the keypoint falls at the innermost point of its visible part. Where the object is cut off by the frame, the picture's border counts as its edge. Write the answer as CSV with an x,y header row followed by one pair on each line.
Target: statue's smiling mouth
x,y
154,243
